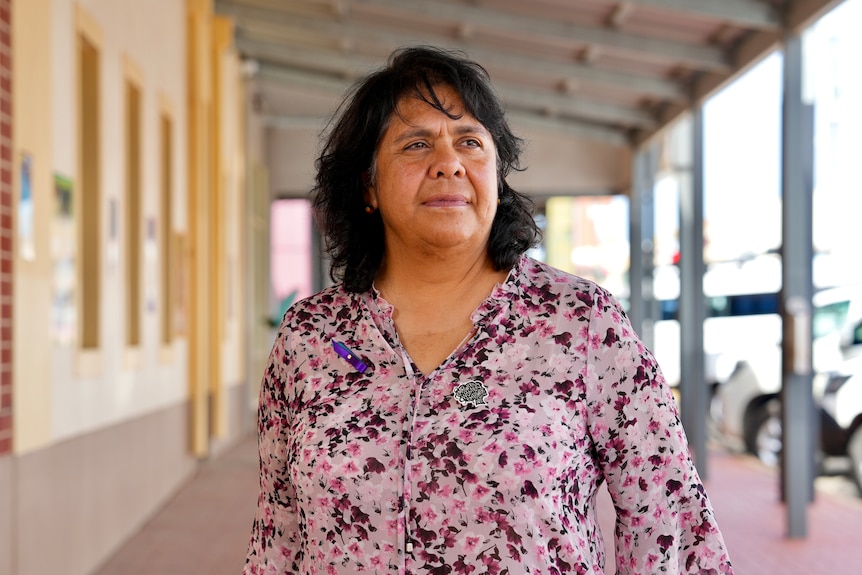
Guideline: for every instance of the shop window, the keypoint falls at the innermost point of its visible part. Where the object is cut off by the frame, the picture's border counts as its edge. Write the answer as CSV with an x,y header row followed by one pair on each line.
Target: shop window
x,y
89,217
133,215
290,252
166,217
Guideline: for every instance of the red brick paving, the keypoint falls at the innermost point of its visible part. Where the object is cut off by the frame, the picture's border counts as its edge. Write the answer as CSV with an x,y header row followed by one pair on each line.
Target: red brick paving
x,y
204,528
746,500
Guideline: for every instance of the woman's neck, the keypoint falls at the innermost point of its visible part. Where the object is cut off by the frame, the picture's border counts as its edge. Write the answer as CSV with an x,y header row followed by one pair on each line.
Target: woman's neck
x,y
433,303
421,281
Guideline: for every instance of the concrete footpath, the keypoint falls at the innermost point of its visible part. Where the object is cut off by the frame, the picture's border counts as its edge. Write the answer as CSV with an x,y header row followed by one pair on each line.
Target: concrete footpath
x,y
204,528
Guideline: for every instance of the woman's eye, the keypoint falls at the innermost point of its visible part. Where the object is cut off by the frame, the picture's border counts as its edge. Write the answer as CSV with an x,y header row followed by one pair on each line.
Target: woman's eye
x,y
473,143
416,146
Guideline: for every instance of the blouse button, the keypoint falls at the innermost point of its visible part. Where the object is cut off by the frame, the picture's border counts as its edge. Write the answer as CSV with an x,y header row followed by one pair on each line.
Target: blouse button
x,y
410,547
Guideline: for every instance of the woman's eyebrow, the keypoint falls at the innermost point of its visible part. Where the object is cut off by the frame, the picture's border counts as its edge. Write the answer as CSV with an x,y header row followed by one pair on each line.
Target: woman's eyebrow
x,y
413,133
460,130
471,129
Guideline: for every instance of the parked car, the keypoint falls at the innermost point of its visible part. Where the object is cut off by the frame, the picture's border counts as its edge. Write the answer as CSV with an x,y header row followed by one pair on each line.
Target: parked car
x,y
746,408
841,413
741,308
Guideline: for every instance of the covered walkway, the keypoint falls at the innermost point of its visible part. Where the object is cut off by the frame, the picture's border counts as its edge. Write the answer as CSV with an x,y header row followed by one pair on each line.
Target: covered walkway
x,y
164,130
204,528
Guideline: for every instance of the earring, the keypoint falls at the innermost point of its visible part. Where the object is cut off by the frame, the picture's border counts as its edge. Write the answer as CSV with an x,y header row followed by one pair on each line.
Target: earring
x,y
498,201
369,209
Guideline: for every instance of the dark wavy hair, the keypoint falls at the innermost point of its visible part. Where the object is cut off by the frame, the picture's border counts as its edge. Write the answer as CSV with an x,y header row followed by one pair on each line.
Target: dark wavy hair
x,y
354,239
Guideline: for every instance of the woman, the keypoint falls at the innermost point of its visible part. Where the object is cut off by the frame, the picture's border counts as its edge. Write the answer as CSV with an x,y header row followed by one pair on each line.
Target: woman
x,y
451,405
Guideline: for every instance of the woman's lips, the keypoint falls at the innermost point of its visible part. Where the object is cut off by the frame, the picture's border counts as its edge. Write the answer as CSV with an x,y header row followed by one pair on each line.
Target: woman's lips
x,y
446,201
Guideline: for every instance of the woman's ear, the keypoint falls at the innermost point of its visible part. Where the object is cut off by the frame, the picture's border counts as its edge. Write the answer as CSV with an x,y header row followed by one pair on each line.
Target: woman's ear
x,y
370,196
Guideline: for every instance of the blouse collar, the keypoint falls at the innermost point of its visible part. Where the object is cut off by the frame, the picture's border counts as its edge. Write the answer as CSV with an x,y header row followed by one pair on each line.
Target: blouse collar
x,y
497,302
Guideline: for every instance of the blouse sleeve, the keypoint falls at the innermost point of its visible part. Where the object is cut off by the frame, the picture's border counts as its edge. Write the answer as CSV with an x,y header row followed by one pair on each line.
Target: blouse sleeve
x,y
274,545
665,522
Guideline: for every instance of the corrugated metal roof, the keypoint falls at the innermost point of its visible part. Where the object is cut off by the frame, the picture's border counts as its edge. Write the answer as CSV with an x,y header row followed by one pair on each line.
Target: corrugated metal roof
x,y
610,70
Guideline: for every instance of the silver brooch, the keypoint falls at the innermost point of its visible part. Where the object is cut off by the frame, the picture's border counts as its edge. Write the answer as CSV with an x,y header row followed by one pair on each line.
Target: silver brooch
x,y
471,393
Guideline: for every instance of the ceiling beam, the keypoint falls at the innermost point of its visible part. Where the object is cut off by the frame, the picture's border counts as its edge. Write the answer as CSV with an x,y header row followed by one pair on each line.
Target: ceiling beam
x,y
334,86
571,127
342,40
698,56
747,54
751,51
338,64
272,26
353,66
558,104
330,85
757,46
619,14
802,13
746,13
314,8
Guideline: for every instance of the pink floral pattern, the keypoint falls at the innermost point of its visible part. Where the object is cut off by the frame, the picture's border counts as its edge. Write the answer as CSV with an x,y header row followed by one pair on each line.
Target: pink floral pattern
x,y
385,472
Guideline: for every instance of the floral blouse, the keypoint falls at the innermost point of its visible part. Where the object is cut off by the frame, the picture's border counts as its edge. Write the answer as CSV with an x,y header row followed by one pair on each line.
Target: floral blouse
x,y
490,464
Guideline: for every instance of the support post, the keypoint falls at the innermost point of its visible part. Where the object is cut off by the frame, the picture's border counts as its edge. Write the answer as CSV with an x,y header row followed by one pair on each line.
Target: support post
x,y
642,245
692,305
797,413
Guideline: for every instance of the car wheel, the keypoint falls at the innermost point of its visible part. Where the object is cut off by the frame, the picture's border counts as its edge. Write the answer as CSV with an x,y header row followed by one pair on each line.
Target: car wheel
x,y
764,439
854,450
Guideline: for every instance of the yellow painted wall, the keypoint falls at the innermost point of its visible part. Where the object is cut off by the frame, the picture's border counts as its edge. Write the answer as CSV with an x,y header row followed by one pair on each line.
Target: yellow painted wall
x,y
60,390
94,389
32,135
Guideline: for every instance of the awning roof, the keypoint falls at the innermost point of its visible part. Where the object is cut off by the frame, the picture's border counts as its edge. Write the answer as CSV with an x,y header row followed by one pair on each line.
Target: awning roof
x,y
601,69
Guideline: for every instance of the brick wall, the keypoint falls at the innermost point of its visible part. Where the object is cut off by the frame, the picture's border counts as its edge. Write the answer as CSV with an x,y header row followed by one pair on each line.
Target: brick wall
x,y
6,227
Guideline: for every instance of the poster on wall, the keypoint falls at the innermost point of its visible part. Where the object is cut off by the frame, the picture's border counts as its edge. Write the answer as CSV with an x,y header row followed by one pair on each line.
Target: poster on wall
x,y
25,210
112,249
63,315
180,283
151,254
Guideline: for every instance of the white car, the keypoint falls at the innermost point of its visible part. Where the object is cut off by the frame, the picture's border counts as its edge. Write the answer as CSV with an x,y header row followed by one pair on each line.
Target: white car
x,y
841,413
746,409
742,305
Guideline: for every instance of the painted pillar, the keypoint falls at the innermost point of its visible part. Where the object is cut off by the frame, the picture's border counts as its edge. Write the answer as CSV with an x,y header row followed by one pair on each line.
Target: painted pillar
x,y
6,227
199,17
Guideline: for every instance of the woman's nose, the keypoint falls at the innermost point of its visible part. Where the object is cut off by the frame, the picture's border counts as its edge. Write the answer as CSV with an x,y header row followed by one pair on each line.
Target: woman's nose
x,y
446,163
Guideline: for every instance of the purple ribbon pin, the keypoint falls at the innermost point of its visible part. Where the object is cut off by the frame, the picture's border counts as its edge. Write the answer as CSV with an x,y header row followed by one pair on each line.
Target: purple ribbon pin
x,y
351,357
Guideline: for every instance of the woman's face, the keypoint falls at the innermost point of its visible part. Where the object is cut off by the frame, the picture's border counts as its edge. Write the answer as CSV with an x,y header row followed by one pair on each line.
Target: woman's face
x,y
436,178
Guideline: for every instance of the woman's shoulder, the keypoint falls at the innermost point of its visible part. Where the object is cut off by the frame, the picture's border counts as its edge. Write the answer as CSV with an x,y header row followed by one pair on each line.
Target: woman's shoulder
x,y
544,277
552,288
325,303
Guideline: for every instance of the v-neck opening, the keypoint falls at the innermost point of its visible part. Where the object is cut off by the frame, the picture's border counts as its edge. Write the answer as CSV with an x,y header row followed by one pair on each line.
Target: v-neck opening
x,y
488,310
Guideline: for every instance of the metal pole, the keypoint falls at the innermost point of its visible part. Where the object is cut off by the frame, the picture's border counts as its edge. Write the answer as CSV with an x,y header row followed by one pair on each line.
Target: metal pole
x,y
642,249
797,418
692,306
